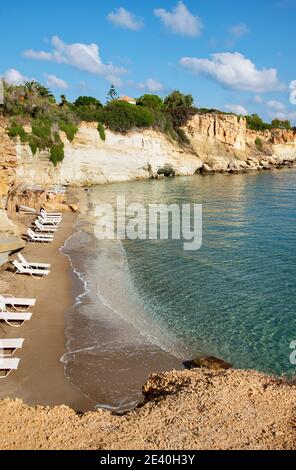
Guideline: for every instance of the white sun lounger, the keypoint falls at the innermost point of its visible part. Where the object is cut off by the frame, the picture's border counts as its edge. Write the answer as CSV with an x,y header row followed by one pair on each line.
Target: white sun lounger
x,y
15,319
21,269
53,222
38,237
27,210
45,228
32,264
51,215
8,300
9,346
7,366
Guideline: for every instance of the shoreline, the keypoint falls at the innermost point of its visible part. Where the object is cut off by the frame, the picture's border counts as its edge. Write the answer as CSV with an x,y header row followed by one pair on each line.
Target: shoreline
x,y
41,379
110,359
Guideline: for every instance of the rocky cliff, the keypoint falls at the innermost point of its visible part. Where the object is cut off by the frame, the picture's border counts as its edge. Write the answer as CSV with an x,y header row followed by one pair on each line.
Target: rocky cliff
x,y
218,143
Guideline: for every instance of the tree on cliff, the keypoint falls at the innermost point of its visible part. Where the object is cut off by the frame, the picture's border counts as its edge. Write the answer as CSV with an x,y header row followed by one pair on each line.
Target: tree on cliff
x,y
112,94
33,87
279,124
178,100
151,101
255,123
88,101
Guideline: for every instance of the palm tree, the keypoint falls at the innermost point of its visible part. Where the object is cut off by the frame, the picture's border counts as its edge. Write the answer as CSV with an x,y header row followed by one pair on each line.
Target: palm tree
x,y
63,100
33,86
43,91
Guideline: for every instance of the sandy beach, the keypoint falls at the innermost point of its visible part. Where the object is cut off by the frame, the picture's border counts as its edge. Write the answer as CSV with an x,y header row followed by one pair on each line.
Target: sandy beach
x,y
40,377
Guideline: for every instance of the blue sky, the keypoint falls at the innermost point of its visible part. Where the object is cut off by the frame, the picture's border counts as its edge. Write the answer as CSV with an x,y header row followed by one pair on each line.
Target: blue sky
x,y
230,55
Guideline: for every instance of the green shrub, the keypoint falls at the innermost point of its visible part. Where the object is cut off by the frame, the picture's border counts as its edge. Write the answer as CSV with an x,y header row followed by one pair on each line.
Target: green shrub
x,y
280,124
69,129
88,101
57,150
180,116
122,117
258,142
41,130
177,99
88,114
255,123
33,144
102,132
16,130
150,101
182,137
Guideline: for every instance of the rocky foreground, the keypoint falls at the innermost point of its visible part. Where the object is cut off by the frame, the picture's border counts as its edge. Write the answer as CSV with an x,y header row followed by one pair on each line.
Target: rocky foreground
x,y
199,409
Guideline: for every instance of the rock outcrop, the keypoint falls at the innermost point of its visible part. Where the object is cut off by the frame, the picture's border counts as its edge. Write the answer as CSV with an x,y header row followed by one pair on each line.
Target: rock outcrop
x,y
10,239
37,197
223,128
200,409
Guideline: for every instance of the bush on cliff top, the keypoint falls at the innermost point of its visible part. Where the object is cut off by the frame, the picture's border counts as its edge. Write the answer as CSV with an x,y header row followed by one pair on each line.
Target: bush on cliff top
x,y
122,117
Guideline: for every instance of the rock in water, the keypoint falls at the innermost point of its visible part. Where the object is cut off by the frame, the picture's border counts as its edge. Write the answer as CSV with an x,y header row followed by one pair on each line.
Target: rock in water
x,y
208,362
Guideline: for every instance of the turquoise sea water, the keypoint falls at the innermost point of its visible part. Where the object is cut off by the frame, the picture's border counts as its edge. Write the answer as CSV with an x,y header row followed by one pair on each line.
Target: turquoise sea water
x,y
235,298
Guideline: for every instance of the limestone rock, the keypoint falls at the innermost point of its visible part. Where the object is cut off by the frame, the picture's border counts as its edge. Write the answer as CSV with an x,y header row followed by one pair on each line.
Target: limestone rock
x,y
227,129
166,171
208,362
11,244
36,197
7,227
234,166
3,259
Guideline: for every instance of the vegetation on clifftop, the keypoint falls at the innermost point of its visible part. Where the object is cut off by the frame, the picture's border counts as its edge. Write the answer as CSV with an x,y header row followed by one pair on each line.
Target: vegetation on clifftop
x,y
33,105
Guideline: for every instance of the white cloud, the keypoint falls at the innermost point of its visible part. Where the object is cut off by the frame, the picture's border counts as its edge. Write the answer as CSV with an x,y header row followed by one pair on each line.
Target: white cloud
x,y
235,71
55,82
236,109
276,105
150,84
38,55
258,99
14,77
286,115
84,57
125,19
239,30
180,20
154,85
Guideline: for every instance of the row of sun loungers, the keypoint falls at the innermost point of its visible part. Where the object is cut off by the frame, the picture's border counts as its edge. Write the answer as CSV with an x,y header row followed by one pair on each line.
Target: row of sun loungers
x,y
46,225
7,349
15,311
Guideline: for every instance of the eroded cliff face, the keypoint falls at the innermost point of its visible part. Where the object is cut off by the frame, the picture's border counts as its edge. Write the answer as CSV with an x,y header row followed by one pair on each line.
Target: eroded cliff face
x,y
8,161
218,143
89,160
222,128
